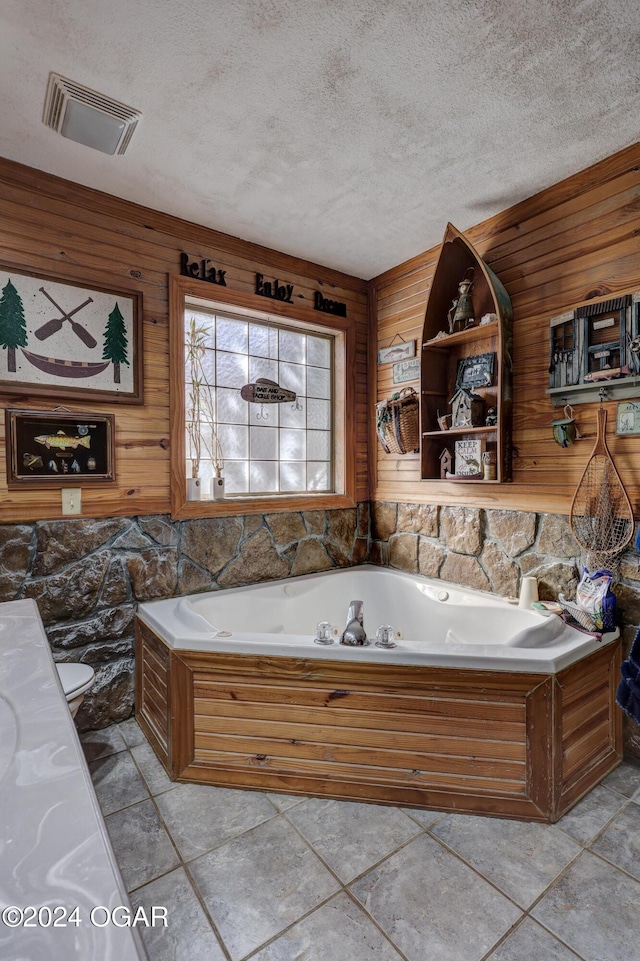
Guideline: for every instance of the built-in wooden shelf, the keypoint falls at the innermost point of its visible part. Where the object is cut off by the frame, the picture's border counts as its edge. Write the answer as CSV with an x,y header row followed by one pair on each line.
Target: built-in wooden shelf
x,y
440,359
470,480
460,430
467,336
622,388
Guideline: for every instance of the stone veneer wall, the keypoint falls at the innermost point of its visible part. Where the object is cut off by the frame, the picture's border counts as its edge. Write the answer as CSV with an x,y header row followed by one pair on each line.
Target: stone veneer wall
x,y
490,550
88,575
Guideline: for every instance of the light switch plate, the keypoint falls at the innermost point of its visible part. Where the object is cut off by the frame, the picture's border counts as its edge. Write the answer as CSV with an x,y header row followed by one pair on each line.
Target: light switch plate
x,y
71,500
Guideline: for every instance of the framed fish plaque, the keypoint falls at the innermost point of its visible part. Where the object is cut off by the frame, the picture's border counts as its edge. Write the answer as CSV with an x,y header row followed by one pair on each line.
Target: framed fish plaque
x,y
52,449
394,352
64,339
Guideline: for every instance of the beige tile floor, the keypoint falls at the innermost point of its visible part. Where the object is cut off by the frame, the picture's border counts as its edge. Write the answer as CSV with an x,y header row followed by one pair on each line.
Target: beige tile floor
x,y
277,878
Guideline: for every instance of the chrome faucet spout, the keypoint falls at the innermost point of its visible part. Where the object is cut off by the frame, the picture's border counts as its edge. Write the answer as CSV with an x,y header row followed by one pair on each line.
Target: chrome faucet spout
x,y
354,634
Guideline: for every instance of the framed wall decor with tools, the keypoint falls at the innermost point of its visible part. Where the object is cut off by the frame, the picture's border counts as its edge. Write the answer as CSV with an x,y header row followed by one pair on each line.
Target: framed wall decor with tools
x,y
63,339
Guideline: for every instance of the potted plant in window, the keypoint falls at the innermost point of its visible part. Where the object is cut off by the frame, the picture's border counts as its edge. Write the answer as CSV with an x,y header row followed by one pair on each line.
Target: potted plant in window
x,y
200,416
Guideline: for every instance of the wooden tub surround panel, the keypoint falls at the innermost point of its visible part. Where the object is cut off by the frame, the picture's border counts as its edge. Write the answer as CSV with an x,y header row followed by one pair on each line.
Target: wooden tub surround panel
x,y
592,722
484,742
153,685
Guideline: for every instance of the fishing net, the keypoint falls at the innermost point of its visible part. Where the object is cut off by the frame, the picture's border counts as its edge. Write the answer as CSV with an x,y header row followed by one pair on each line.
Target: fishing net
x,y
601,517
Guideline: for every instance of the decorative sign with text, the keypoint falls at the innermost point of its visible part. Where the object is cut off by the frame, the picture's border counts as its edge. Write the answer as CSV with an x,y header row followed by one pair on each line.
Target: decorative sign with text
x,y
273,289
468,457
406,370
320,302
203,269
265,391
200,270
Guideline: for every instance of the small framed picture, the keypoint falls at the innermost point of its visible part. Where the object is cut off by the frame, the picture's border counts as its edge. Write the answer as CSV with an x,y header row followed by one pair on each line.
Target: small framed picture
x,y
404,351
476,371
628,418
406,370
51,449
468,457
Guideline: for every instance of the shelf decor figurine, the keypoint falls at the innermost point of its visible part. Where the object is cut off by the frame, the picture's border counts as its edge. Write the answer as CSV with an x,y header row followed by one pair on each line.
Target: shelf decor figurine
x,y
461,311
489,465
466,409
445,463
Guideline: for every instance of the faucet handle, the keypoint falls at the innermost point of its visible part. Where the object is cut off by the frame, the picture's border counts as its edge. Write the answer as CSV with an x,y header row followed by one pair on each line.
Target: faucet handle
x,y
385,636
324,633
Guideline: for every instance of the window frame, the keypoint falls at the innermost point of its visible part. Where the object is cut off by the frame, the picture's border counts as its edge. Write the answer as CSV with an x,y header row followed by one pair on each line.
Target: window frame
x,y
182,290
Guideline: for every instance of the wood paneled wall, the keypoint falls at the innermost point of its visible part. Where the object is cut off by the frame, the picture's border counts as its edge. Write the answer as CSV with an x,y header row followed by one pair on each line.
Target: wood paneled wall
x,y
576,241
56,227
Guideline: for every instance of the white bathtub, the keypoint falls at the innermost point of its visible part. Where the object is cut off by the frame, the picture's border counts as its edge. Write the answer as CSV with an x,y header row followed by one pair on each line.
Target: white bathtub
x,y
440,624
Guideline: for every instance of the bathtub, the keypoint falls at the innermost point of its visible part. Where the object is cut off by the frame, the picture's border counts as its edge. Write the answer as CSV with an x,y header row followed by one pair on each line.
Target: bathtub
x,y
436,623
480,706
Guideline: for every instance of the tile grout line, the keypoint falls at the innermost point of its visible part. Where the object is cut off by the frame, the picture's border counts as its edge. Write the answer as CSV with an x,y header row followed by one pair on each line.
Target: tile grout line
x,y
184,865
362,873
343,889
514,928
594,837
477,871
205,909
588,845
343,886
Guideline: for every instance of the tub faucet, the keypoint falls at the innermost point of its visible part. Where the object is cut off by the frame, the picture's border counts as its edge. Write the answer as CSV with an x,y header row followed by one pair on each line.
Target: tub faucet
x,y
354,633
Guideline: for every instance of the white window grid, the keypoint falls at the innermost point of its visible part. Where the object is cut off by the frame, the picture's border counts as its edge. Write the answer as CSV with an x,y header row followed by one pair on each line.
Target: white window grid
x,y
268,449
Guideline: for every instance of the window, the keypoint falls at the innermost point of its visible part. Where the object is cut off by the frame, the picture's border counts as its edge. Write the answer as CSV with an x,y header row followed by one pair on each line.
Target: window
x,y
266,449
300,457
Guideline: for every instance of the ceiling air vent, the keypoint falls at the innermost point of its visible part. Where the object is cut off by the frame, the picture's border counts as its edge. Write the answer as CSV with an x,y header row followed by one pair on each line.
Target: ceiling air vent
x,y
88,117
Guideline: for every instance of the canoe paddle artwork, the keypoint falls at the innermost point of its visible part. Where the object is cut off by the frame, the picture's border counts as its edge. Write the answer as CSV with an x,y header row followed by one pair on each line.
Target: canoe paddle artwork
x,y
62,337
53,326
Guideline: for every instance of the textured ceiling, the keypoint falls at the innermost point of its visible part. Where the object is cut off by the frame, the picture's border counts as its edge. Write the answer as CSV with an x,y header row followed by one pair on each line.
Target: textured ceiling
x,y
346,132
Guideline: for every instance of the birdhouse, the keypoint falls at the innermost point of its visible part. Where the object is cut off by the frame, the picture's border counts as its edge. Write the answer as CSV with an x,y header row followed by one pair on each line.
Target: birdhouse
x,y
445,463
466,409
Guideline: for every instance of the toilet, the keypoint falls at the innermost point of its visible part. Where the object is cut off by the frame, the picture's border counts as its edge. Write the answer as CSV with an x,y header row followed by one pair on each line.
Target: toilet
x,y
76,679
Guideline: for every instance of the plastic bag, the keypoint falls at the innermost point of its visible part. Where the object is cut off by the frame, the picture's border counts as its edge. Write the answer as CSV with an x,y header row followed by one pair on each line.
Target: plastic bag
x,y
595,596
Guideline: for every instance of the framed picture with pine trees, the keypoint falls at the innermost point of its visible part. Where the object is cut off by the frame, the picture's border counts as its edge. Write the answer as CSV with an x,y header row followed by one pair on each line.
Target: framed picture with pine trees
x,y
63,339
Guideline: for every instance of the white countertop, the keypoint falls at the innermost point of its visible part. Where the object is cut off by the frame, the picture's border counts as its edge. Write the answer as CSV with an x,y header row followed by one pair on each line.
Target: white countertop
x,y
54,848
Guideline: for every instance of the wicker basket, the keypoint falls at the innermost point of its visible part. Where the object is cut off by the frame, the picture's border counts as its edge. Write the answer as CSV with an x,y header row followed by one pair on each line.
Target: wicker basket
x,y
398,422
